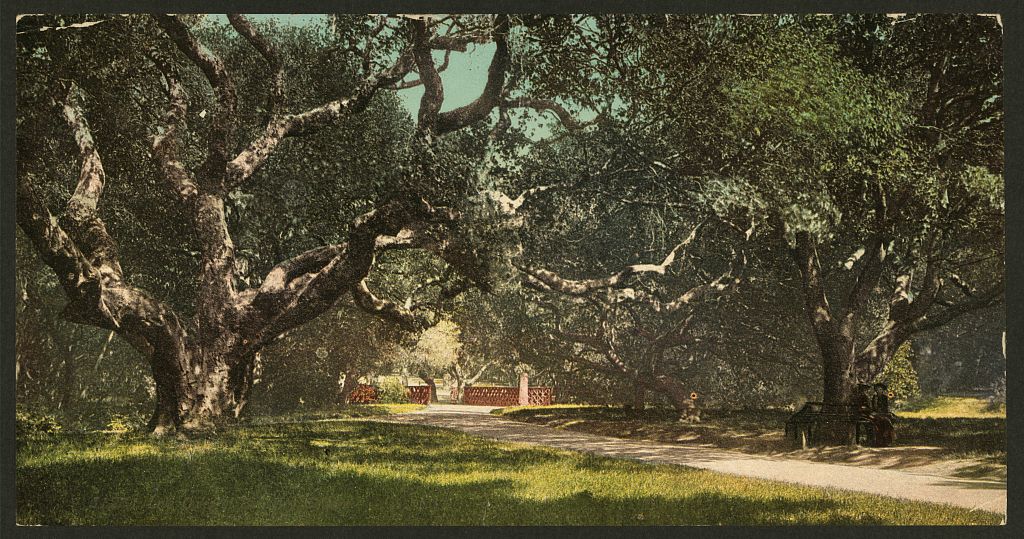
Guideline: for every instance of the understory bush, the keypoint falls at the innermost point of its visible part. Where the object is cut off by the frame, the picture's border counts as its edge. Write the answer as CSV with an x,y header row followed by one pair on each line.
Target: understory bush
x,y
900,376
28,423
392,392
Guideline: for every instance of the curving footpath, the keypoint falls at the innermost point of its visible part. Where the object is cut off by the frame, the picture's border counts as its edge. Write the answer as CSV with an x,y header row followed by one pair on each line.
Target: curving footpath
x,y
970,493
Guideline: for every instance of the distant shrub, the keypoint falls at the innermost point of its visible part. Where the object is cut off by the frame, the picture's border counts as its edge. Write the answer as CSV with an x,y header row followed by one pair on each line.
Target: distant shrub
x,y
28,423
900,376
124,422
392,392
363,394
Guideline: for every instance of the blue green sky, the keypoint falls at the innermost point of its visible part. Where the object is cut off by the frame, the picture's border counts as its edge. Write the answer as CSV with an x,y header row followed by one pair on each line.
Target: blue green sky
x,y
463,80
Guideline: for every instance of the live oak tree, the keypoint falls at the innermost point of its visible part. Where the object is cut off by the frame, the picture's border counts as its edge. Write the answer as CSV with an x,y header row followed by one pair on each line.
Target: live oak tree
x,y
884,188
868,147
207,148
276,217
625,327
620,274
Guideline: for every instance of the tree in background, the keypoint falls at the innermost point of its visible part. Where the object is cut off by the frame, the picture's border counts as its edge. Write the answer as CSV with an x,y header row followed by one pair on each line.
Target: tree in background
x,y
899,374
879,185
599,217
322,362
435,351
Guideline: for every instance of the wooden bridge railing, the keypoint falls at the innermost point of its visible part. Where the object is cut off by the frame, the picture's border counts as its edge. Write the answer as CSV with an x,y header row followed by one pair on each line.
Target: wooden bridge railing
x,y
505,396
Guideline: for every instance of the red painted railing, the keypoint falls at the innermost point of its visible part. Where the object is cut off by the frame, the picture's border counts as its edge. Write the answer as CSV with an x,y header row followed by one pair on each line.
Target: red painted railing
x,y
367,394
505,396
418,394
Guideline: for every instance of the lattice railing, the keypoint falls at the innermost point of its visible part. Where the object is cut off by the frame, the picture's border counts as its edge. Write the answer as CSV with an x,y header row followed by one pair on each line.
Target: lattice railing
x,y
419,394
505,396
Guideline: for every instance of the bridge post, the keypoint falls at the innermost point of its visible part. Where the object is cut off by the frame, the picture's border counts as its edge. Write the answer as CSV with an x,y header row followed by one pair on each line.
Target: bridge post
x,y
524,389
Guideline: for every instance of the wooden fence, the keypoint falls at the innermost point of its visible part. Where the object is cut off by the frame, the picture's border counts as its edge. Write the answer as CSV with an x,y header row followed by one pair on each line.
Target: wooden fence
x,y
418,394
505,396
368,394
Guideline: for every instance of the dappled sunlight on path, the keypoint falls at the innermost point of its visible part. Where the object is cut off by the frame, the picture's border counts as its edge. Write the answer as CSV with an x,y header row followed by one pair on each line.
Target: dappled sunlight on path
x,y
970,493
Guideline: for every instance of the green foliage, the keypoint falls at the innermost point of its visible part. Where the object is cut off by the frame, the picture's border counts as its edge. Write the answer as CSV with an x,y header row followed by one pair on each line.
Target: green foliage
x,y
29,423
899,374
126,422
439,345
392,391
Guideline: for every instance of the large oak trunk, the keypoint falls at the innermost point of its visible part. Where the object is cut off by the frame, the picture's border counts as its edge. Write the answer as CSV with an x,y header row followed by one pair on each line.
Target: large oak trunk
x,y
837,361
195,389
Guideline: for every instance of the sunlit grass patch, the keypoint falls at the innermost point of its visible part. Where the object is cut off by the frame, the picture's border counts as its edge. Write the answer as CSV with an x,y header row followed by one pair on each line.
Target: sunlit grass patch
x,y
359,472
554,408
340,412
948,406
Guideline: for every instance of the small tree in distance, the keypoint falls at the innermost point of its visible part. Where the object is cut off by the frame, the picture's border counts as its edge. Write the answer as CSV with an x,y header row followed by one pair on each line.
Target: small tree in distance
x,y
900,376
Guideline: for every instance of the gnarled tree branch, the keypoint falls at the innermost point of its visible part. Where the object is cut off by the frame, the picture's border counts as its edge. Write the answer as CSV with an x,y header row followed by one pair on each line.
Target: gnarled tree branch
x,y
387,309
81,219
550,105
224,122
493,89
277,87
255,155
581,287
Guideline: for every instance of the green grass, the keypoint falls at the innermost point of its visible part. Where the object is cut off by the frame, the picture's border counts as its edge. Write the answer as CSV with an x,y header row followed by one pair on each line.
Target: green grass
x,y
948,406
350,411
364,472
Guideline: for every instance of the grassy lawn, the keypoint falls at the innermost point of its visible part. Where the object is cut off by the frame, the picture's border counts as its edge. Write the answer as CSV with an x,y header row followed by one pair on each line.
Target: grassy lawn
x,y
353,471
960,407
974,447
350,411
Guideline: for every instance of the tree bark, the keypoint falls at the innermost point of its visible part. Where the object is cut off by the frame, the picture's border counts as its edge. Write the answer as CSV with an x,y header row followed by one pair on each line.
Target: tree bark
x,y
349,385
677,395
837,361
639,396
456,395
194,390
429,379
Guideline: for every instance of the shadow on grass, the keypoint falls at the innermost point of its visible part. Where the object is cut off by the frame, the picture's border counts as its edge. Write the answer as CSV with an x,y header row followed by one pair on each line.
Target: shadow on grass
x,y
200,491
984,470
372,473
919,441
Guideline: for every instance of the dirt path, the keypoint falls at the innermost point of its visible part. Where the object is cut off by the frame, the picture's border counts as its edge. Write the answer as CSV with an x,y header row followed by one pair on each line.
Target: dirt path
x,y
970,493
